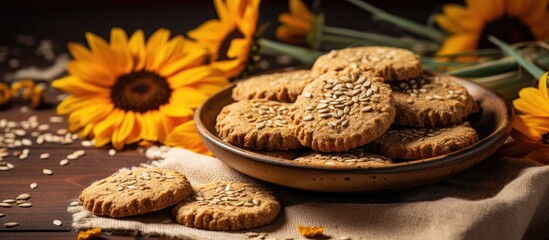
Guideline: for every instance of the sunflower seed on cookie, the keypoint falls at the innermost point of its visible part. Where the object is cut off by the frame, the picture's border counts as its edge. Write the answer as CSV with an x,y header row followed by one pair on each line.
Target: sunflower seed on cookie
x,y
345,110
226,206
419,143
257,124
135,192
392,64
281,87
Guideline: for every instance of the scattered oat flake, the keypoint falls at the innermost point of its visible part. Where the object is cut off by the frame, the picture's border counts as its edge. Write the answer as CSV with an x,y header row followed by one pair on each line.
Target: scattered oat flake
x,y
89,234
112,152
47,171
33,185
57,222
310,232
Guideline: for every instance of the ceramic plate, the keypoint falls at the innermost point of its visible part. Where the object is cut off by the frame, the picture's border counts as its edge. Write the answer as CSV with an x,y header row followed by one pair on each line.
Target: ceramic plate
x,y
493,124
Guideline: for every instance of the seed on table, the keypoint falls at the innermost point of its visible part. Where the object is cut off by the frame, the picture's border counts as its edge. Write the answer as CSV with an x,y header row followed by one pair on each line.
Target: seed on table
x,y
74,204
8,201
44,156
72,156
26,142
56,119
25,205
4,168
57,222
64,162
2,215
33,185
9,165
11,224
112,152
24,196
6,205
86,143
79,152
47,171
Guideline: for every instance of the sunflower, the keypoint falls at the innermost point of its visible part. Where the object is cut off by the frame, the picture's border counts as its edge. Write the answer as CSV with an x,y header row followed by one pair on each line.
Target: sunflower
x,y
509,20
230,38
531,128
297,25
131,90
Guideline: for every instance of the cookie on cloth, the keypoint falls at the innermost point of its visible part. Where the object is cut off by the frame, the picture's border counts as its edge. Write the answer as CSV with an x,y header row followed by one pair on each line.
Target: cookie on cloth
x,y
392,64
257,124
135,192
281,87
343,110
431,100
420,143
227,206
357,158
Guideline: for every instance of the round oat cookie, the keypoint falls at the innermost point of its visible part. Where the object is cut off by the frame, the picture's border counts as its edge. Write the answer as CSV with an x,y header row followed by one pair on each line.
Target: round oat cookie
x,y
281,87
355,158
392,64
432,100
226,206
420,143
343,110
257,124
135,192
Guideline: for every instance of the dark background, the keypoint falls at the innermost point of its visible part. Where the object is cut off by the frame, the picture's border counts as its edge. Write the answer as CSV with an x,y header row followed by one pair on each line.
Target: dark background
x,y
64,20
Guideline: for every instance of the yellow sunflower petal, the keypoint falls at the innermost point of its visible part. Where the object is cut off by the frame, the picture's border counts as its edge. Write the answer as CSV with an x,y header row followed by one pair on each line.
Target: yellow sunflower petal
x,y
248,22
290,35
542,86
72,84
458,13
185,136
149,127
532,126
190,60
540,29
95,117
210,85
488,10
121,133
137,48
176,110
154,48
91,73
223,11
160,123
531,102
458,43
187,97
240,48
298,8
121,49
294,22
79,52
535,13
101,49
73,102
103,131
191,75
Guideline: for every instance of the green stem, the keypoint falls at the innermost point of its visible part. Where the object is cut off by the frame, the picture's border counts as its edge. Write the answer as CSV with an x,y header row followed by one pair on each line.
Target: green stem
x,y
276,48
411,26
530,67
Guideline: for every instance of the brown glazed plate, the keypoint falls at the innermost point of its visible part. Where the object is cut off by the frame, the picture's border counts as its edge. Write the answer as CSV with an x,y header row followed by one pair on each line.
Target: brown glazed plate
x,y
492,123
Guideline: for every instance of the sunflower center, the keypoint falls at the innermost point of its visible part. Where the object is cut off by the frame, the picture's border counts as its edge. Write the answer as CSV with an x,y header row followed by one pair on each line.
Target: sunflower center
x,y
545,138
506,28
140,91
224,48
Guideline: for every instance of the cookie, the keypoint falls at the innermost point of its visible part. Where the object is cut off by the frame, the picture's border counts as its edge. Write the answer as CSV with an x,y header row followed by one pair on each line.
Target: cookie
x,y
281,87
420,143
227,207
343,110
392,64
257,124
432,100
135,192
356,158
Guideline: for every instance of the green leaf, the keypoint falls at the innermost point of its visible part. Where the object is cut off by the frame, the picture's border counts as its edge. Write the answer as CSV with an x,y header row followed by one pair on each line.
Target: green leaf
x,y
404,23
304,55
486,69
477,52
507,49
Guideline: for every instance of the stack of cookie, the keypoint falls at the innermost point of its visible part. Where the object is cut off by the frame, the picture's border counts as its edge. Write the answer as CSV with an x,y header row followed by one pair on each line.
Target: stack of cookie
x,y
357,107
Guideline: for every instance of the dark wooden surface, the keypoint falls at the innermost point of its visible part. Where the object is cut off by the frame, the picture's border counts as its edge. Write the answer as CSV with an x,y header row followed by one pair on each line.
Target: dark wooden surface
x,y
54,192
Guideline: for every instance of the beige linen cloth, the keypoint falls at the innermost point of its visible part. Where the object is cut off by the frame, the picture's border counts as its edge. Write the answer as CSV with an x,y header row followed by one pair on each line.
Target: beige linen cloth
x,y
498,199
